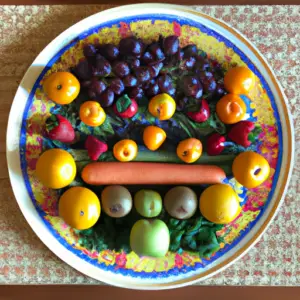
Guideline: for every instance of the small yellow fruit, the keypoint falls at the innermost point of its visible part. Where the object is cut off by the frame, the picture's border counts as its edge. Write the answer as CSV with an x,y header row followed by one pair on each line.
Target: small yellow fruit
x,y
162,106
56,168
219,204
250,169
92,113
154,137
79,207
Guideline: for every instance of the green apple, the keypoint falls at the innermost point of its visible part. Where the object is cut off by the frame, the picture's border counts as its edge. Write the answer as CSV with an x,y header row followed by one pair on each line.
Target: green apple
x,y
148,203
150,238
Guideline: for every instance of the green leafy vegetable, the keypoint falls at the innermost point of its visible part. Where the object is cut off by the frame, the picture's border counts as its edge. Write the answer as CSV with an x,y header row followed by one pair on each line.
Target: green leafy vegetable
x,y
173,223
83,128
196,234
189,235
109,233
233,148
70,112
193,129
208,249
175,237
216,124
123,103
105,130
203,233
169,70
149,118
194,228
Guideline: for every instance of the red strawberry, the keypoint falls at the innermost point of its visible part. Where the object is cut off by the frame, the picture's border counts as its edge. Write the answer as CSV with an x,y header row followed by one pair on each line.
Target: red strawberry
x,y
95,147
60,129
240,133
215,144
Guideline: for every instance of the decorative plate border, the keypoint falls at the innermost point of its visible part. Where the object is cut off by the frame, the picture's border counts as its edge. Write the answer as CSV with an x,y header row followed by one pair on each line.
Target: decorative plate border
x,y
290,144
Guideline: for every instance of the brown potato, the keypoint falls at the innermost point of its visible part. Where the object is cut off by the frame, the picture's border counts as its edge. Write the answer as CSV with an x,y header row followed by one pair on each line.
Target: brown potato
x,y
116,201
180,202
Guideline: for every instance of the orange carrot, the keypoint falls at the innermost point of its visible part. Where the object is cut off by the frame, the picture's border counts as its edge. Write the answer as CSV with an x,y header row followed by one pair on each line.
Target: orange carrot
x,y
106,173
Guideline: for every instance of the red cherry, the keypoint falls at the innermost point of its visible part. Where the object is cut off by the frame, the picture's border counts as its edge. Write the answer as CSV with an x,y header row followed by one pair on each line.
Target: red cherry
x,y
129,112
202,115
215,144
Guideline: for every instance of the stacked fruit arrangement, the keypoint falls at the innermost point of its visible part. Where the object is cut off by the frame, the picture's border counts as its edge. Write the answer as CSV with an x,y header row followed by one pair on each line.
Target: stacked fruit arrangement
x,y
142,115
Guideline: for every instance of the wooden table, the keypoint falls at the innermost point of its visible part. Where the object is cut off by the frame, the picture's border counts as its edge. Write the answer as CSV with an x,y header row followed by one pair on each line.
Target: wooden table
x,y
24,32
123,2
111,293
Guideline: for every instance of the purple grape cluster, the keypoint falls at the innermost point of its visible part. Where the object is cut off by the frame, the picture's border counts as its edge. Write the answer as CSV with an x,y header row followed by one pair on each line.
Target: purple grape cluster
x,y
140,69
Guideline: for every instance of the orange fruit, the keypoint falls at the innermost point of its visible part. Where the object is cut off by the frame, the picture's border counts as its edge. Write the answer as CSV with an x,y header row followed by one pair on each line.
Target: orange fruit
x,y
189,150
92,114
79,207
125,150
56,168
239,80
154,137
61,87
219,204
231,109
250,169
162,106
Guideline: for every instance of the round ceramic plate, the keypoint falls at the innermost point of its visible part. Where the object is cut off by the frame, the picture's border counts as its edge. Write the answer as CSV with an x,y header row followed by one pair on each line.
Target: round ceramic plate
x,y
25,144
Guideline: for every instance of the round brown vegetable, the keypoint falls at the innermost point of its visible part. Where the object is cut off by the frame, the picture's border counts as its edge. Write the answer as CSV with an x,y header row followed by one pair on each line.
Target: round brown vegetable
x,y
116,201
180,202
